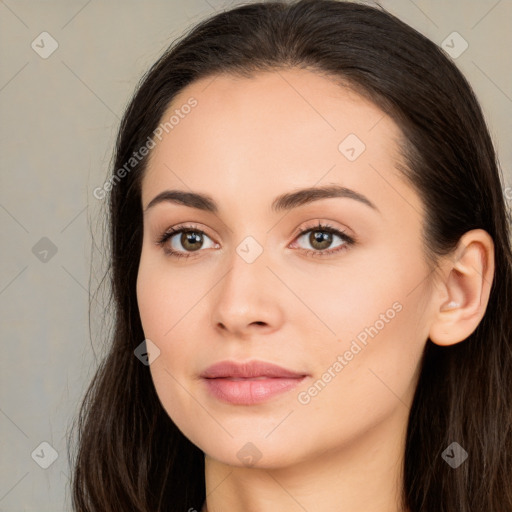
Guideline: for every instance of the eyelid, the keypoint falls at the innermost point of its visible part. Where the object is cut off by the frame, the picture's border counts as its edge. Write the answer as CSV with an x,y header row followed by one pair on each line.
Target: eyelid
x,y
317,225
325,226
182,226
320,224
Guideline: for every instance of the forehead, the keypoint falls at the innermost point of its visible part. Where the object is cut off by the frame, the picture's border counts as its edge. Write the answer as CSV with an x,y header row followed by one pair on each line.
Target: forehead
x,y
273,130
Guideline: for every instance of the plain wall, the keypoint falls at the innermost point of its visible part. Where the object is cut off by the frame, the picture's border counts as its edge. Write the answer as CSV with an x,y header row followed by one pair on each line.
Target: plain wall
x,y
59,117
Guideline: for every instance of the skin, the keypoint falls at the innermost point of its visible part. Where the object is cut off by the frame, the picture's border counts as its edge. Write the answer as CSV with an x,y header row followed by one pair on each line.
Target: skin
x,y
247,141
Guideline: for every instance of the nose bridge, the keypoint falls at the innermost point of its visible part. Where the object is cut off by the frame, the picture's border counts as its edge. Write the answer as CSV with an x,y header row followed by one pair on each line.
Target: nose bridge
x,y
246,295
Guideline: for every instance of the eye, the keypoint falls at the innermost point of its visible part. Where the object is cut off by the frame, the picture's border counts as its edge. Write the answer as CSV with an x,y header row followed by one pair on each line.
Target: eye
x,y
191,239
321,237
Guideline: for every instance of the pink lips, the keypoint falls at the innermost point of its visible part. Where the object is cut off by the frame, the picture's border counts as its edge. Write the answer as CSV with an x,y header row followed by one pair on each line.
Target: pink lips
x,y
249,383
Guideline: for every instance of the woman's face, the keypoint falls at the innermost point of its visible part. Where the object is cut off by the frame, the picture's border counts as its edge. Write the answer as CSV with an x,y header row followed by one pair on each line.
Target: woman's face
x,y
346,307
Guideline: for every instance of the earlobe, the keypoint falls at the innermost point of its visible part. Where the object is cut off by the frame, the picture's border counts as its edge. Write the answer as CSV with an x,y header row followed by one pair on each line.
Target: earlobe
x,y
466,281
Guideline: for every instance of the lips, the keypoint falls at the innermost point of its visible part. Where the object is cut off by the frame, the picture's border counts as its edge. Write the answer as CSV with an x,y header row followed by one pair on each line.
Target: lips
x,y
249,383
248,370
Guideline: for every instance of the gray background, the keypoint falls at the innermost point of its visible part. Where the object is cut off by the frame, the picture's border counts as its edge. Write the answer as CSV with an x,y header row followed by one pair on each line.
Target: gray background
x,y
59,119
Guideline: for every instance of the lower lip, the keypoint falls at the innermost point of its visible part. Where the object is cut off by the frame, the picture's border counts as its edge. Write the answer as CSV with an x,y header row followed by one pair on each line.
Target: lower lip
x,y
250,391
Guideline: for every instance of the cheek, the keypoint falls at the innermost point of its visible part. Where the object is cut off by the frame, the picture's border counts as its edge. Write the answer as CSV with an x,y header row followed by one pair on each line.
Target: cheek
x,y
366,374
168,308
164,319
167,318
377,326
162,298
372,289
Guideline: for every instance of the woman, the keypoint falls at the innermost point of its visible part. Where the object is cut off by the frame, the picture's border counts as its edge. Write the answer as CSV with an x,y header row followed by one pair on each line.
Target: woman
x,y
311,273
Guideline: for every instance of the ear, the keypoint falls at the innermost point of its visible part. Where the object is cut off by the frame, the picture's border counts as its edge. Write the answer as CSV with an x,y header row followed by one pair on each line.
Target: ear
x,y
464,289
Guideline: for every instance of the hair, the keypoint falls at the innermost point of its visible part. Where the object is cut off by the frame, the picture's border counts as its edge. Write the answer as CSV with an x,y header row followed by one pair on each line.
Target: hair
x,y
130,454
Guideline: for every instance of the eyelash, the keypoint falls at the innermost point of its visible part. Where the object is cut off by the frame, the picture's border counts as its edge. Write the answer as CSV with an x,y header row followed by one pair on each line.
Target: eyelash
x,y
326,228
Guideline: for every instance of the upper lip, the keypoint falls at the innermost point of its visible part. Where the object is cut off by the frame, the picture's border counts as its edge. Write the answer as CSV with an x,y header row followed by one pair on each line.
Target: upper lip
x,y
248,370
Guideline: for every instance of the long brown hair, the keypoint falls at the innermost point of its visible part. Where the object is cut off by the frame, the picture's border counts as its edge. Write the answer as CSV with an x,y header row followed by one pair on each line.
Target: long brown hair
x,y
130,455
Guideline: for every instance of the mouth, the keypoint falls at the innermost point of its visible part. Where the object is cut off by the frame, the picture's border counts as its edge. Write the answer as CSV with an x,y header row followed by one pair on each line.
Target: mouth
x,y
250,391
248,370
249,382
261,377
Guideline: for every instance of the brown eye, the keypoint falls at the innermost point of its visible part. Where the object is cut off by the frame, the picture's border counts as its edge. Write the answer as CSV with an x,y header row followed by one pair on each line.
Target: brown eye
x,y
182,241
191,240
320,238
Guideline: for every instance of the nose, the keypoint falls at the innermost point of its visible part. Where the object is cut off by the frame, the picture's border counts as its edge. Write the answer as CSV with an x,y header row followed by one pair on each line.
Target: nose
x,y
249,298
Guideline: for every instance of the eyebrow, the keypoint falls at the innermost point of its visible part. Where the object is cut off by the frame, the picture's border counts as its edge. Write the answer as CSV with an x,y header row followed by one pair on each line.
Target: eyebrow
x,y
283,202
